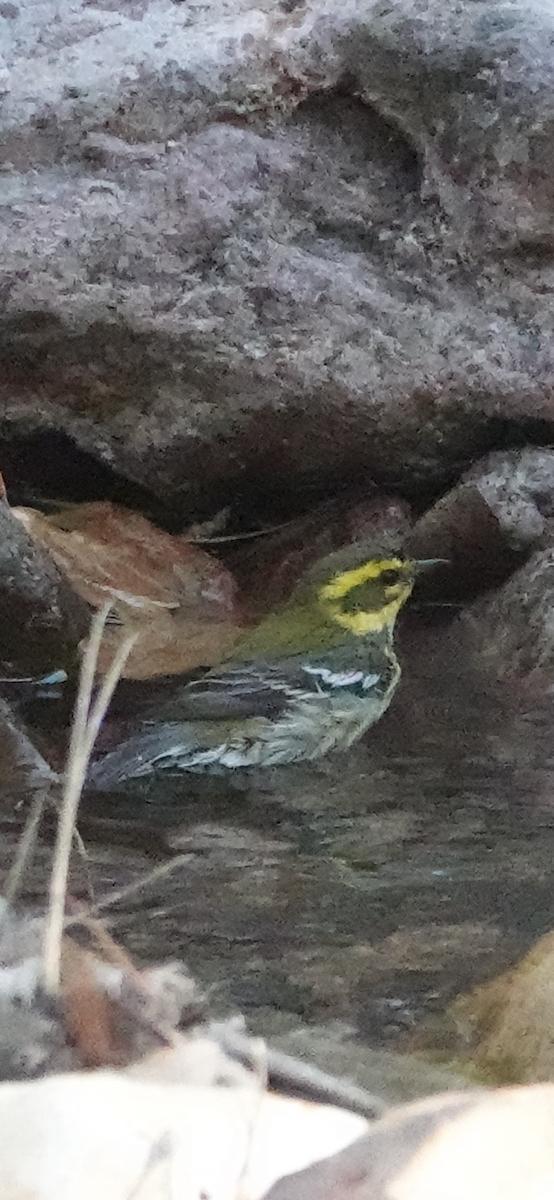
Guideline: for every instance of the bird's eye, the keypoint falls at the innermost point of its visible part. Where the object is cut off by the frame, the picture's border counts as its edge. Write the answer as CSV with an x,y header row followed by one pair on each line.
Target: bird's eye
x,y
389,577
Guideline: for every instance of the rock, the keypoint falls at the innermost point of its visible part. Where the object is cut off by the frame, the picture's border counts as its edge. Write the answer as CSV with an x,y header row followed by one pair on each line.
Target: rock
x,y
42,620
505,1026
248,253
25,773
492,520
511,630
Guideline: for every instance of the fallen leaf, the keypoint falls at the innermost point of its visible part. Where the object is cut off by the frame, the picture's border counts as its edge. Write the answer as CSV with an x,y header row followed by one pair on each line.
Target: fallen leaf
x,y
180,600
89,1015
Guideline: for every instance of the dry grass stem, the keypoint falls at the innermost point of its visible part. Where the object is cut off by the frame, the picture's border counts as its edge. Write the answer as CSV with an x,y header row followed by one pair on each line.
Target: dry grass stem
x,y
85,726
25,848
237,537
110,949
82,852
105,694
132,889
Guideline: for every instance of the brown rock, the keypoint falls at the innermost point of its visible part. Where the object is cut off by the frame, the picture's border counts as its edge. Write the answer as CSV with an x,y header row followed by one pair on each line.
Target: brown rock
x,y
508,1022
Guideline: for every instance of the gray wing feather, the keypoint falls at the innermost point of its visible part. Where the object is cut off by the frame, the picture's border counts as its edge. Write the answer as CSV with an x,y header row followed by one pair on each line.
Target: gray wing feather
x,y
137,756
203,715
237,694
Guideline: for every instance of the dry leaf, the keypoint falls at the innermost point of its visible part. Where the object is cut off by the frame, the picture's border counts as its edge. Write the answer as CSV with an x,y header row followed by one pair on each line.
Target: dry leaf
x,y
89,1015
180,599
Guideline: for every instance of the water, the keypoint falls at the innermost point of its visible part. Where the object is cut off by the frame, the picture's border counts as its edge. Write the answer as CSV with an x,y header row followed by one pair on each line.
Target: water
x,y
363,892
375,885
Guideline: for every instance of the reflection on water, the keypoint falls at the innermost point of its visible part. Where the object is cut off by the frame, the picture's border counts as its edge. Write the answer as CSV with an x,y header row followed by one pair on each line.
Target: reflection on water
x,y
368,889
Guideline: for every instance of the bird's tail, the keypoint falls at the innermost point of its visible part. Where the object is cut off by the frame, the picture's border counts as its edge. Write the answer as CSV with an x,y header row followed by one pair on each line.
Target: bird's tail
x,y
151,750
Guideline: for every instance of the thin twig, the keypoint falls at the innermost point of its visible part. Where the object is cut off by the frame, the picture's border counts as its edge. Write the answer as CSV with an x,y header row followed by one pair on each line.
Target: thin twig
x,y
105,694
25,847
294,1077
70,799
111,951
94,722
218,539
82,852
84,728
138,885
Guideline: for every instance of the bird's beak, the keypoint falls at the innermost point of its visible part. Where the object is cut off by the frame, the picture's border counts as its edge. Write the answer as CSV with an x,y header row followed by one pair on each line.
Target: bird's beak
x,y
423,563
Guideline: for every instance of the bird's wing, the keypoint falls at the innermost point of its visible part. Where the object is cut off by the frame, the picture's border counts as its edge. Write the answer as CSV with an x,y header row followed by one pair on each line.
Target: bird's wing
x,y
238,693
200,717
191,729
259,690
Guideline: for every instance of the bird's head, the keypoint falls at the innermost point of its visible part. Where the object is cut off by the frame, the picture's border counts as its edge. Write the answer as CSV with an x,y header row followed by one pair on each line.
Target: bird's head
x,y
367,597
346,594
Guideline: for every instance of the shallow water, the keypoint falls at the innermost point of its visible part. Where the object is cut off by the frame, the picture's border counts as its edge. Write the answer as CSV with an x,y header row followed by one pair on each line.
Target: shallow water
x,y
375,885
369,889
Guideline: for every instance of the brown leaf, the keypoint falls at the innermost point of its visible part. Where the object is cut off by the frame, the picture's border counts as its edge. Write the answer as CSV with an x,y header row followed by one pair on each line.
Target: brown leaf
x,y
180,599
113,1013
88,1010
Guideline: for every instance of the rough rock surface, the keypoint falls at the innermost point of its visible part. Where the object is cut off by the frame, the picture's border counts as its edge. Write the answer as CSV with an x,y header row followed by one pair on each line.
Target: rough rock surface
x,y
500,512
512,629
496,529
42,619
249,252
504,1026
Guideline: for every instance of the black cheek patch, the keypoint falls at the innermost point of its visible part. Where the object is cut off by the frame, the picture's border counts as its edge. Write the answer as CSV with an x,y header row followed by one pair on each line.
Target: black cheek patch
x,y
366,597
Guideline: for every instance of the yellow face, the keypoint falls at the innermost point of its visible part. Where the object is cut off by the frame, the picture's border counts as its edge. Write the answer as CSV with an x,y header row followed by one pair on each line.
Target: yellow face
x,y
368,598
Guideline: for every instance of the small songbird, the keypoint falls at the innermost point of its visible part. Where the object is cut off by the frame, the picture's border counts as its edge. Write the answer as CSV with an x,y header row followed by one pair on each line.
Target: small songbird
x,y
311,678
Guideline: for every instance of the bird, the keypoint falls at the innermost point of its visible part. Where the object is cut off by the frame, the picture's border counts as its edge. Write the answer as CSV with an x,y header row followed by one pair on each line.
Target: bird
x,y
311,678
